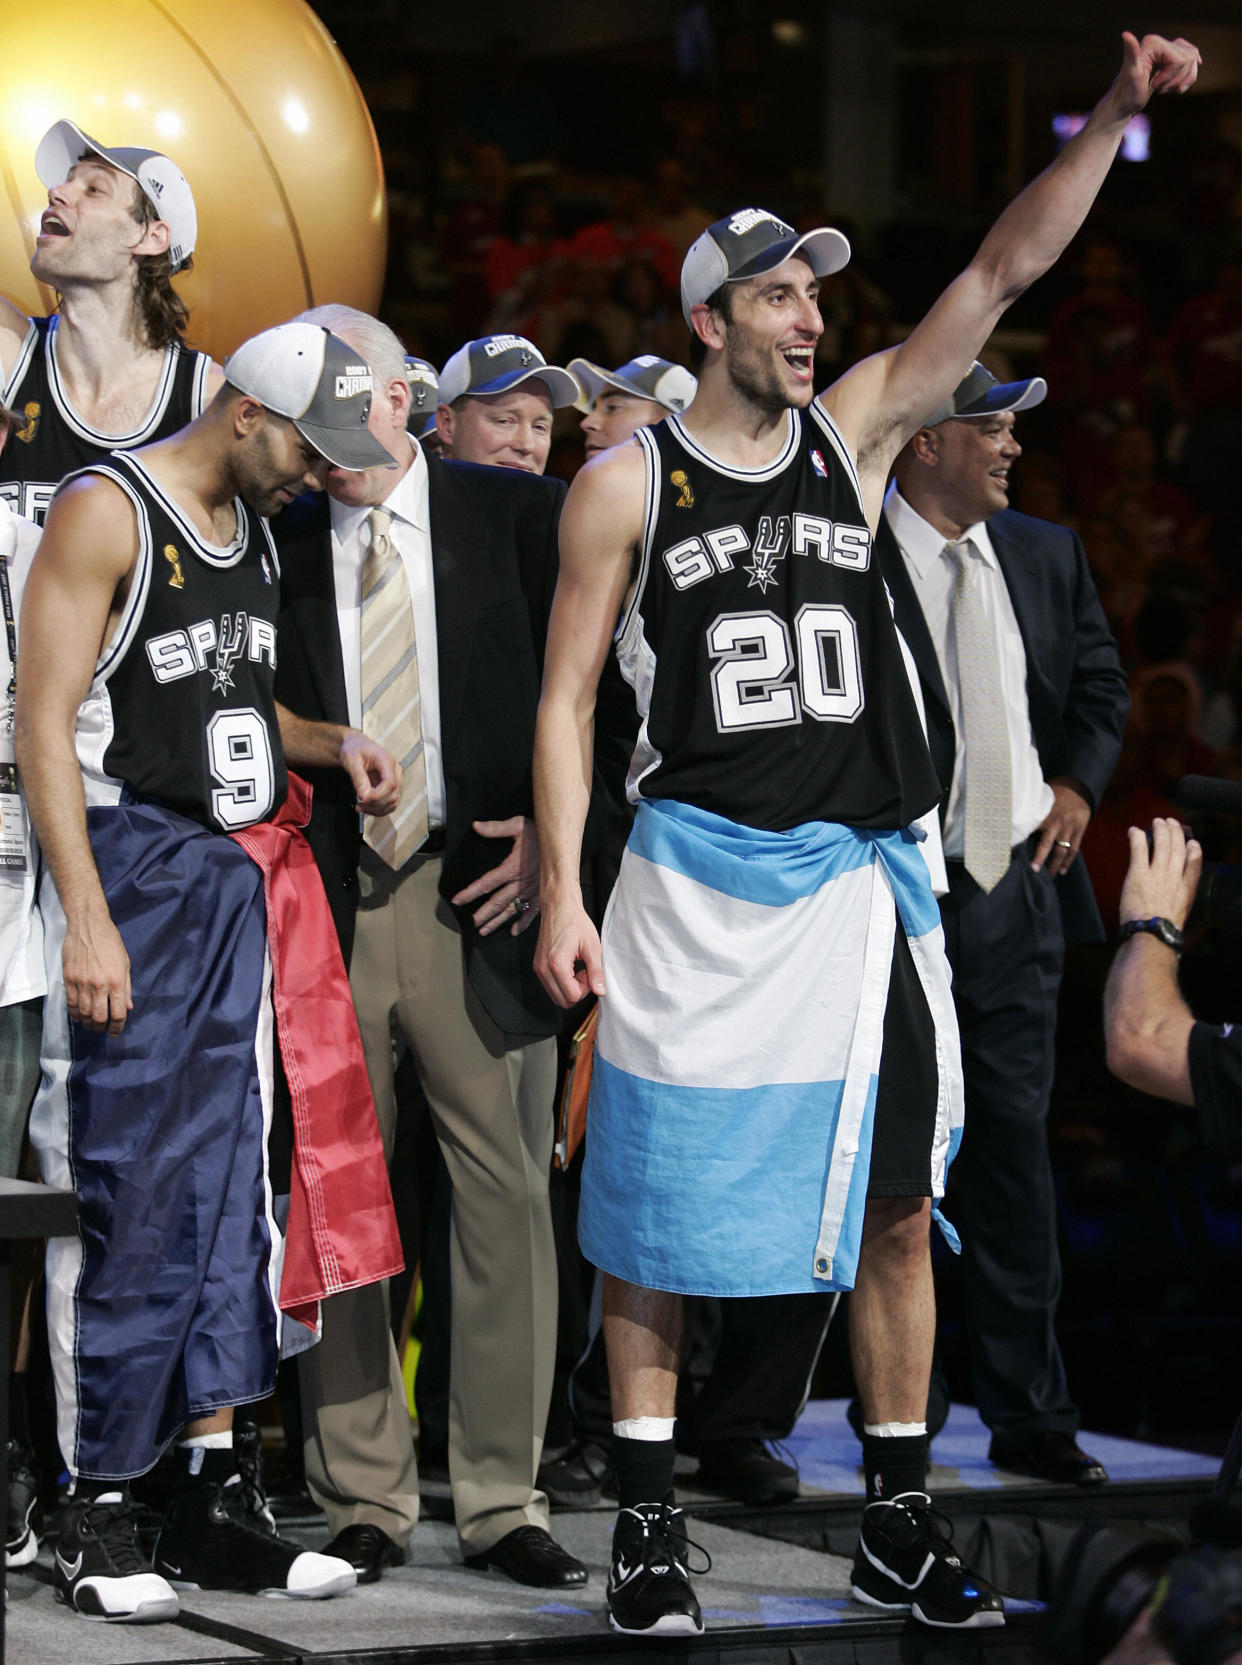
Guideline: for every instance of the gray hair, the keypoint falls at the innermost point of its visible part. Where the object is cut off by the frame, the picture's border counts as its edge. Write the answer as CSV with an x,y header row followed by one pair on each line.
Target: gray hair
x,y
380,347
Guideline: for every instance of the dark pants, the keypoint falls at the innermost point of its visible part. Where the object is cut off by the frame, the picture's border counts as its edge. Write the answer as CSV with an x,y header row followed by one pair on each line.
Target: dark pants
x,y
1006,950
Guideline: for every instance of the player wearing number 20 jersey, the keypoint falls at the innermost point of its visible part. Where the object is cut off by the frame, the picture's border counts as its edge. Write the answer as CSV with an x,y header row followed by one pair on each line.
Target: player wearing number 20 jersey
x,y
181,708
756,607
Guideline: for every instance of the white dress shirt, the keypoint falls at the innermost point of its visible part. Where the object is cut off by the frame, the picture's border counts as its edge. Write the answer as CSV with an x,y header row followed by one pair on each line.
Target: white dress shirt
x,y
932,574
411,532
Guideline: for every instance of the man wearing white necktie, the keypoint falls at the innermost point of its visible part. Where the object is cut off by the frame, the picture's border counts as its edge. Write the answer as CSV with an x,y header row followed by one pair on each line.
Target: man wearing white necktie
x,y
1026,703
418,609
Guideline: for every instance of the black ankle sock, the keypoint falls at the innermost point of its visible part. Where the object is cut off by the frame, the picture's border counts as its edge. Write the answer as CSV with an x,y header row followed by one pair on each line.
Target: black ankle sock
x,y
19,1426
85,1491
894,1464
217,1466
644,1469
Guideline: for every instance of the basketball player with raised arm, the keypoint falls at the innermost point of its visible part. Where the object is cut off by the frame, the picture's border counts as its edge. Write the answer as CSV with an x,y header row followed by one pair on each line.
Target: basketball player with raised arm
x,y
777,1087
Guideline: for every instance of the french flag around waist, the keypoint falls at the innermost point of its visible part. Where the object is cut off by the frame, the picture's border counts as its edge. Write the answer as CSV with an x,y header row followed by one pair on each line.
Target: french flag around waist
x,y
342,1229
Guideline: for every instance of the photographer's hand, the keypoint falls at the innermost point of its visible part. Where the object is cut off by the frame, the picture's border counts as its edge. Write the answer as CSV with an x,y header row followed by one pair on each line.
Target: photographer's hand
x,y
1147,1024
1162,881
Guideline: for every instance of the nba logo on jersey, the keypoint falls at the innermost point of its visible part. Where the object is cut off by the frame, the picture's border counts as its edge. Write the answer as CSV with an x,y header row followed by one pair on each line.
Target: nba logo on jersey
x,y
819,465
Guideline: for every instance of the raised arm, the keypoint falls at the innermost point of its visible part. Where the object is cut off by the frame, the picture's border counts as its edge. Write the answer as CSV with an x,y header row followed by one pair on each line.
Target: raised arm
x,y
600,529
87,551
881,402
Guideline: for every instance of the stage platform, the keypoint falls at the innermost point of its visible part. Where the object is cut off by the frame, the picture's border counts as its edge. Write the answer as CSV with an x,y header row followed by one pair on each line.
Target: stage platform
x,y
778,1590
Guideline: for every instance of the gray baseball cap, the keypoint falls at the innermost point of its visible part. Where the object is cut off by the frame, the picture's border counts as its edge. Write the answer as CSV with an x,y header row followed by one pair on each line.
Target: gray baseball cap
x,y
424,384
646,377
980,394
162,181
495,363
747,243
304,372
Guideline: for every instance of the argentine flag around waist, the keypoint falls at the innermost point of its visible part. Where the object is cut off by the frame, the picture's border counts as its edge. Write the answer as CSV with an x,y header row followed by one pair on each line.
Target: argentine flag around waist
x,y
729,1131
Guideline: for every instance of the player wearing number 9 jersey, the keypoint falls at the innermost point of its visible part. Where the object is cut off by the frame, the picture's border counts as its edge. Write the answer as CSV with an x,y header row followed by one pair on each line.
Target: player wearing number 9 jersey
x,y
181,706
147,729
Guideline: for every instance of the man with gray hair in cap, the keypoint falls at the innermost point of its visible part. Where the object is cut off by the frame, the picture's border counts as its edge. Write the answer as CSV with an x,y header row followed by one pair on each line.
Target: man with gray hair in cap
x,y
1026,703
497,396
777,1085
153,754
110,369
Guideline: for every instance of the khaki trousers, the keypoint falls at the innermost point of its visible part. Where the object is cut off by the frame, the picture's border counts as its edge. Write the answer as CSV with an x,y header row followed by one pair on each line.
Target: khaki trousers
x,y
492,1111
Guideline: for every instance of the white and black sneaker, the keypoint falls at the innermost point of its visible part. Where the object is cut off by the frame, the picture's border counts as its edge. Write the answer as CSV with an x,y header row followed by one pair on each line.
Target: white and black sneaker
x,y
905,1563
99,1570
210,1542
21,1545
649,1590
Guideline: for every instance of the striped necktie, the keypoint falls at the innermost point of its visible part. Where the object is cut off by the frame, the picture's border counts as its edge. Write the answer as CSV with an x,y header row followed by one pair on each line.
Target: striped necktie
x,y
988,824
391,707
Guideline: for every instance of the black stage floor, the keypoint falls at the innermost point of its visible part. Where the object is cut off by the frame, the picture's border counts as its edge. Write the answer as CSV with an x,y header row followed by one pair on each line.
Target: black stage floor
x,y
778,1591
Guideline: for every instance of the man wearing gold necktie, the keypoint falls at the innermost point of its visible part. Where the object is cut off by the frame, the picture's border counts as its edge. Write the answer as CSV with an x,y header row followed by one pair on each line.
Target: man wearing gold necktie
x,y
1026,702
418,609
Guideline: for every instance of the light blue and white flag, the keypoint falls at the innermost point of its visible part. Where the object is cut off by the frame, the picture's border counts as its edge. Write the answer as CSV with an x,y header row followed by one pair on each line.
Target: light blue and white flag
x,y
729,1129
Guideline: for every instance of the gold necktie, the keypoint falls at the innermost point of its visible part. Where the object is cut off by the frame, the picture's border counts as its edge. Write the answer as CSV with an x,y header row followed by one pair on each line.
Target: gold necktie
x,y
988,821
391,706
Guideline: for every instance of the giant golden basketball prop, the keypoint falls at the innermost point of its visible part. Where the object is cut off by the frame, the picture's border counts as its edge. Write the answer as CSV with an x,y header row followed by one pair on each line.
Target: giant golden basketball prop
x,y
254,103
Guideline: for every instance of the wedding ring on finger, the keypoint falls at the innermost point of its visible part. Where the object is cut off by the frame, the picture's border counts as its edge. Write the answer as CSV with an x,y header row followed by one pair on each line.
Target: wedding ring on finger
x,y
520,905
1064,844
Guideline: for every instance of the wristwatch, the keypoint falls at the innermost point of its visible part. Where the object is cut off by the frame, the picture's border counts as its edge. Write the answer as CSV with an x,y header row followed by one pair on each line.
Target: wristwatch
x,y
1165,929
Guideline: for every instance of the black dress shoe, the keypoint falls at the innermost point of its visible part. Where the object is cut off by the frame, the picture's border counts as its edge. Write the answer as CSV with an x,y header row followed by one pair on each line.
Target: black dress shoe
x,y
747,1470
1049,1456
368,1550
529,1555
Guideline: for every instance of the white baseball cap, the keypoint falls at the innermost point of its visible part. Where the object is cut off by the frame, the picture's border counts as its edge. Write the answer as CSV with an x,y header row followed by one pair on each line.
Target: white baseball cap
x,y
748,242
162,181
304,372
495,363
646,377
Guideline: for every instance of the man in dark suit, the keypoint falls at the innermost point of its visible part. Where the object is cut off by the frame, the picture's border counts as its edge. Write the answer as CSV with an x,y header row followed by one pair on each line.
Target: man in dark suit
x,y
433,927
1026,702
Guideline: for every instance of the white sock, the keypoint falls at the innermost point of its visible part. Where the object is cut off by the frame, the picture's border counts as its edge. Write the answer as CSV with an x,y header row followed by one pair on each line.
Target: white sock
x,y
645,1428
894,1430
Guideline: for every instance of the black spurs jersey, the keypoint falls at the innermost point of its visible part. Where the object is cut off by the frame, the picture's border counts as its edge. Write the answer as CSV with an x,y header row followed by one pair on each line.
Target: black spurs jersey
x,y
51,440
760,641
181,708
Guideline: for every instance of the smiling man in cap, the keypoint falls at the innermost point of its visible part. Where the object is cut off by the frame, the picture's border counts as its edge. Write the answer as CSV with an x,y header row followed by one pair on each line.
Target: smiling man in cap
x,y
147,732
619,402
497,396
782,1119
110,369
1026,703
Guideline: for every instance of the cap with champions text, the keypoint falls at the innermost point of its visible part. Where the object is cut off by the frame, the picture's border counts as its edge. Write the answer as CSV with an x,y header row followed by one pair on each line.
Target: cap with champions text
x,y
423,382
495,363
745,244
980,394
645,377
304,372
160,179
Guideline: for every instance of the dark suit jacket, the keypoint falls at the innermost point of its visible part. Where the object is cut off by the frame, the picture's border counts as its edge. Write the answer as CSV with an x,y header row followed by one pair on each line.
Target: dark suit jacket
x,y
494,564
1075,685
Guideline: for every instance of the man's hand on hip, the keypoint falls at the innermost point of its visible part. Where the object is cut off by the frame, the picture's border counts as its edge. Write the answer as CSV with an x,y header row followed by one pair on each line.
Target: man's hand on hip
x,y
512,889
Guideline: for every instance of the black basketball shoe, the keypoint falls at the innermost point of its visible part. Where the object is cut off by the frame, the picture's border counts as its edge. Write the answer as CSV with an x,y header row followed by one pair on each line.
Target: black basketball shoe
x,y
100,1572
20,1545
210,1542
905,1563
649,1590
